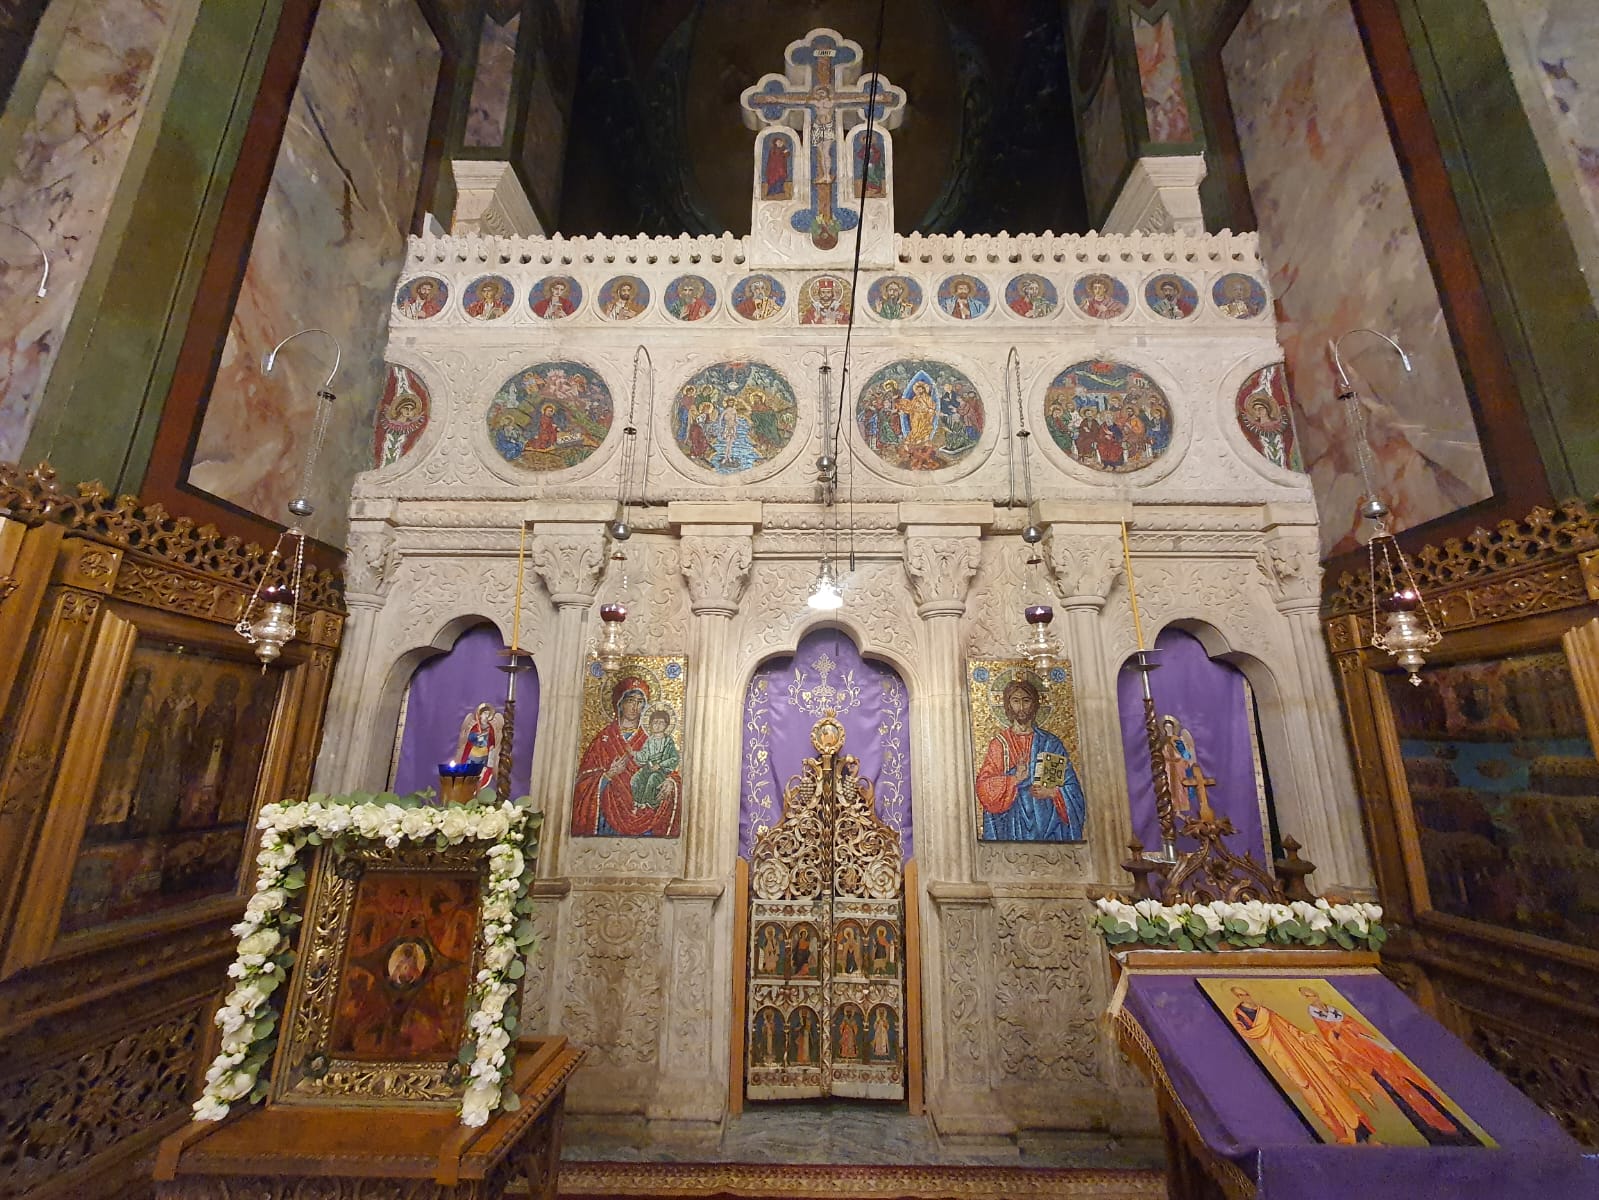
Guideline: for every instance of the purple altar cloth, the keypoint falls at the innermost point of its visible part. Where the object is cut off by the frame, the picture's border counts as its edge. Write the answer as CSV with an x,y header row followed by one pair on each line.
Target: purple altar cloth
x,y
1242,1116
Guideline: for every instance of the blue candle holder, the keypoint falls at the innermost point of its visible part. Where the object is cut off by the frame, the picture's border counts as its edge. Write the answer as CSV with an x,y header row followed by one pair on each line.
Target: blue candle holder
x,y
458,781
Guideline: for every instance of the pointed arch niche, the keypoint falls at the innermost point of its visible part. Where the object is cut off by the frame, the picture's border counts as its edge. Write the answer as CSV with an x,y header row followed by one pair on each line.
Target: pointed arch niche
x,y
1215,715
442,691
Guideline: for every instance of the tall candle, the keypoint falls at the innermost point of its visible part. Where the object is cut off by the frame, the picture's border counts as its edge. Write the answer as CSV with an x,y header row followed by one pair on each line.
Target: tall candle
x,y
516,612
1132,589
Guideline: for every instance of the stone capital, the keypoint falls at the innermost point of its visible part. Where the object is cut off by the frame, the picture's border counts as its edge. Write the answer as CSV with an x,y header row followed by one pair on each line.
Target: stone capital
x,y
1291,573
940,570
1085,568
717,568
370,561
570,565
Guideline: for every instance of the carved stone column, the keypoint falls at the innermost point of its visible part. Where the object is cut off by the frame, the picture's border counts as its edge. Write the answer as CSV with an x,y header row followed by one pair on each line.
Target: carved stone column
x,y
355,744
1320,807
715,562
1086,562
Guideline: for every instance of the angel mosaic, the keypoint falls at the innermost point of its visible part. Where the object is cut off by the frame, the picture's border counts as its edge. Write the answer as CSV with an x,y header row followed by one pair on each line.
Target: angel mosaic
x,y
1266,418
402,415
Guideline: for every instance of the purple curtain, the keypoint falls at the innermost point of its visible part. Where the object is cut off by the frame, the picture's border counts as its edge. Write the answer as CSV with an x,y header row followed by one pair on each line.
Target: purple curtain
x,y
444,690
787,697
1208,699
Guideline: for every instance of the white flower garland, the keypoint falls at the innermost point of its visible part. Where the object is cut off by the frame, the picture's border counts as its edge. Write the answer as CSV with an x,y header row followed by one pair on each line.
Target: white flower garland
x,y
1245,923
246,1018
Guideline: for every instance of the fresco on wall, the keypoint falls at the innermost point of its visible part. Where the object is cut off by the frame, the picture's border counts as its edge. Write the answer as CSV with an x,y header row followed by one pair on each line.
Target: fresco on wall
x,y
1031,296
1160,74
1108,416
491,81
734,416
555,297
963,297
624,297
1103,297
402,415
824,300
920,415
630,777
1266,417
895,298
327,251
758,297
1239,296
488,298
422,297
1171,296
690,298
1339,234
551,416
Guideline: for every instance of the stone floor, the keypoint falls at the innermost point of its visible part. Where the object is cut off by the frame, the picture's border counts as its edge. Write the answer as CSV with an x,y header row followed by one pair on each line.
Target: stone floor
x,y
840,1133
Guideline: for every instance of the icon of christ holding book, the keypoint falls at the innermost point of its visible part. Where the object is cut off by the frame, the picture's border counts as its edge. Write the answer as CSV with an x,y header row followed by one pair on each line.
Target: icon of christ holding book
x,y
1026,784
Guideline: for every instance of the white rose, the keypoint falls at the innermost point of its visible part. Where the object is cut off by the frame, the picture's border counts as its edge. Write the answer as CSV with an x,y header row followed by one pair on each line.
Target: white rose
x,y
417,823
235,1086
268,900
454,823
493,1005
507,863
1372,912
262,941
208,1108
368,820
1208,915
492,1042
499,956
493,824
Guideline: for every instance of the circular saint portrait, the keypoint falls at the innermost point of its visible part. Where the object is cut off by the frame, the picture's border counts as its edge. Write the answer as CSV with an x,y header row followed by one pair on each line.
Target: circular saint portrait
x,y
734,416
623,298
1108,416
408,961
824,300
1239,296
554,297
1266,417
758,297
895,298
551,416
488,298
1031,296
422,297
1171,296
963,297
1103,297
690,298
402,415
920,415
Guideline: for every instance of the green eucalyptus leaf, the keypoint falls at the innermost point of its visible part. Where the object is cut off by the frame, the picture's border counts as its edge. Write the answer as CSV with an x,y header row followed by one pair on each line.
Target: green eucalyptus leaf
x,y
509,1100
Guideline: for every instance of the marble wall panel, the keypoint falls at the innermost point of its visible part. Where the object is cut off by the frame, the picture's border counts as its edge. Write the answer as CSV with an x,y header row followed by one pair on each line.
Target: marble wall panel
x,y
61,184
1104,143
326,254
491,82
1339,234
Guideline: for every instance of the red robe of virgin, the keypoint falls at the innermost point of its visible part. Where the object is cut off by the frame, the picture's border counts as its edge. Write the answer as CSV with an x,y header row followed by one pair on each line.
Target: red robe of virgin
x,y
596,795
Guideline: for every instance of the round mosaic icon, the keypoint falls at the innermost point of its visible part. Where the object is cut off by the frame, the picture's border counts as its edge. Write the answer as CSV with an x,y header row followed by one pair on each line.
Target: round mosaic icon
x,y
554,297
758,297
1265,414
1171,296
623,297
824,300
1103,297
1108,416
422,297
550,416
1239,296
402,415
488,298
690,298
920,415
734,416
1031,296
963,297
895,298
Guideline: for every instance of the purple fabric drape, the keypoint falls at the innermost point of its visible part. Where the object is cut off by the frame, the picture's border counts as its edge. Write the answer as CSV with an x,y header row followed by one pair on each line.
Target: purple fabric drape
x,y
1207,698
787,696
444,690
1242,1116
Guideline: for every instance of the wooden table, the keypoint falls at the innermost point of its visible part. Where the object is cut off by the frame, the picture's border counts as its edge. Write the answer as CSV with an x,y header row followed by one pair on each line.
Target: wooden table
x,y
296,1152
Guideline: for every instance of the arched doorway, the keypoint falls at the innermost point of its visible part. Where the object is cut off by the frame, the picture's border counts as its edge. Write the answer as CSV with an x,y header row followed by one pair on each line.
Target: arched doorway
x,y
826,948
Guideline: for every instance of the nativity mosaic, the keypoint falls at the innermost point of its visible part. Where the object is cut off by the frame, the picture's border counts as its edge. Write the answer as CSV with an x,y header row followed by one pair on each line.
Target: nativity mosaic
x,y
630,775
1108,416
1024,744
551,416
734,416
919,415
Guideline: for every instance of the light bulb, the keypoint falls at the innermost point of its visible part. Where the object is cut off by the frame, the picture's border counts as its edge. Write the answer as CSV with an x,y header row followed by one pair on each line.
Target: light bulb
x,y
825,596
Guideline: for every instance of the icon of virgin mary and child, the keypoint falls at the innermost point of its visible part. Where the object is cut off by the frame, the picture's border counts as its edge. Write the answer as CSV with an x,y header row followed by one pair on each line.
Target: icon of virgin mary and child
x,y
629,781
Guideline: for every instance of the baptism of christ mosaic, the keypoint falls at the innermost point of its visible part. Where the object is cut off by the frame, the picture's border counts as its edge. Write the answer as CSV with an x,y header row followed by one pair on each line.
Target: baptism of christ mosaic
x,y
920,415
734,416
1108,416
551,416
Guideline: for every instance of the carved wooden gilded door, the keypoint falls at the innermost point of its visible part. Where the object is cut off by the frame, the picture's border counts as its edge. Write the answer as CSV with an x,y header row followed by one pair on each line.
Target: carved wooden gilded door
x,y
826,984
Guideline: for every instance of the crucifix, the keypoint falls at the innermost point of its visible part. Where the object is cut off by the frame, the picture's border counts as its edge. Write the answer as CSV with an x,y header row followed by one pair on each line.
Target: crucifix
x,y
824,96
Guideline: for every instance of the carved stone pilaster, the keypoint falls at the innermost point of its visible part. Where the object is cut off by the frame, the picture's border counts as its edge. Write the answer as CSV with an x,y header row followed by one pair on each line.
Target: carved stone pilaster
x,y
717,569
370,563
940,570
1085,568
1292,575
570,565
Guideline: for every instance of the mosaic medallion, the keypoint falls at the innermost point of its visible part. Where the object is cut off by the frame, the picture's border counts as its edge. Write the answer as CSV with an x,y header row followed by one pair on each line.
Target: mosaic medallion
x,y
554,297
734,416
1239,296
895,298
1031,296
550,416
1103,297
1171,296
758,297
422,297
963,297
623,298
402,415
824,300
920,415
1266,417
690,298
488,298
1108,416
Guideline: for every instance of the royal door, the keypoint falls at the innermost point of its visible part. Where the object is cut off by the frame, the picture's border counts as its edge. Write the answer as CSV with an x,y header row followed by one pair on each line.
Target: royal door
x,y
826,978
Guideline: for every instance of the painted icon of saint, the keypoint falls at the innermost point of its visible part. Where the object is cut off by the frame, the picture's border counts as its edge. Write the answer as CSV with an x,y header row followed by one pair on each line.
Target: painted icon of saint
x,y
1018,804
1186,777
